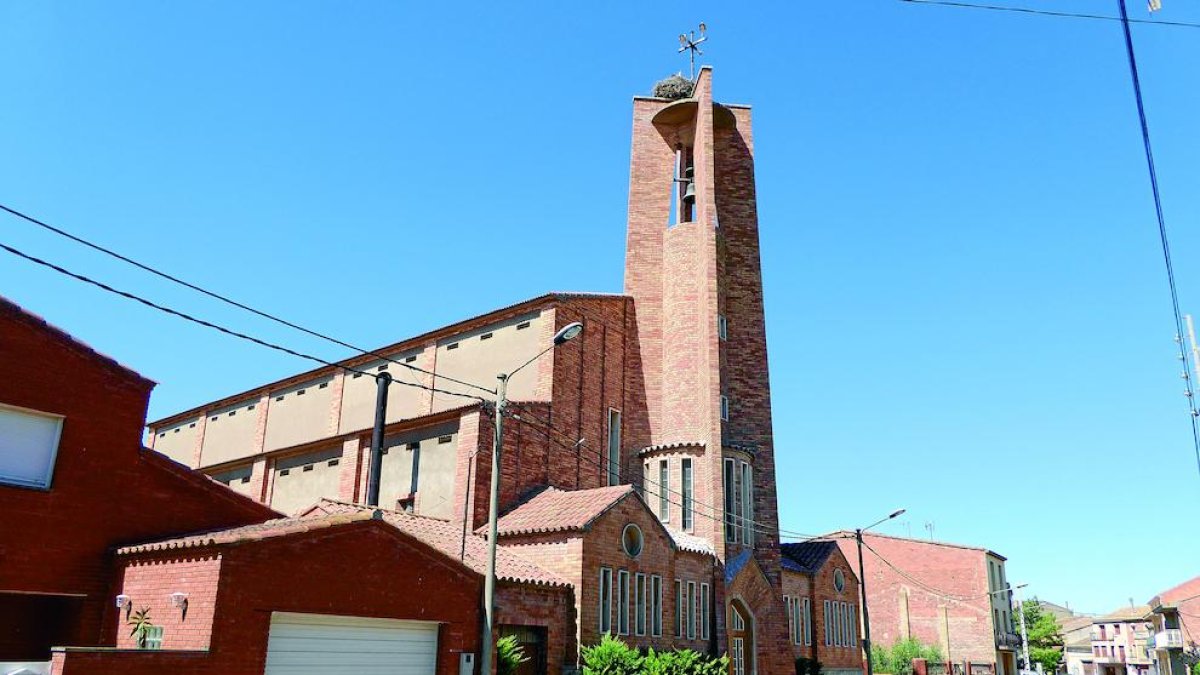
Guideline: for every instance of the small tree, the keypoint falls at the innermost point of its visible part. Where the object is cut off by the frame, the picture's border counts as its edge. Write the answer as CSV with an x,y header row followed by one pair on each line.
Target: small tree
x,y
1045,636
140,620
899,657
611,657
509,655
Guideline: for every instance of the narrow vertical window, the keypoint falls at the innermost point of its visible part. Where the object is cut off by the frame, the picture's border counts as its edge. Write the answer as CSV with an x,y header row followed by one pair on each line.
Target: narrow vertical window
x,y
807,622
704,611
614,447
798,621
787,608
691,610
722,327
731,534
678,608
828,625
686,479
739,656
853,626
639,604
605,624
747,505
664,490
724,408
623,602
656,605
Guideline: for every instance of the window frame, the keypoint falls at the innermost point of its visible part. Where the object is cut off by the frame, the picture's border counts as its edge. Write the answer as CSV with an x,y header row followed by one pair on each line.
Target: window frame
x,y
656,599
604,624
747,496
664,490
691,610
724,408
678,608
613,466
687,516
731,527
47,481
704,607
639,604
623,602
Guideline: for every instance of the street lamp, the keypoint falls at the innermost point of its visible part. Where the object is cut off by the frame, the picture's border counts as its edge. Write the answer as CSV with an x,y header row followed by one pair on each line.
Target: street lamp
x,y
862,586
567,332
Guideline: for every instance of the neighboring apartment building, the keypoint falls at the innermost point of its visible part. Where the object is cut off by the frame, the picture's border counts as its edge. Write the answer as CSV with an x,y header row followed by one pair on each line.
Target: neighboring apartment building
x,y
1077,643
1120,643
821,593
953,596
1174,626
666,391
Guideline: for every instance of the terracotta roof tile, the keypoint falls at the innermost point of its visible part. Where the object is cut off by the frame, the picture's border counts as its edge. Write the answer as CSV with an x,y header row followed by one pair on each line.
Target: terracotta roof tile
x,y
278,527
448,538
554,510
690,542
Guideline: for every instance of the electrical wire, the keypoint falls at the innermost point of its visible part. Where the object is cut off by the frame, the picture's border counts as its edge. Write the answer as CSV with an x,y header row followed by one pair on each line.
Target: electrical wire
x,y
960,599
1193,413
222,329
713,514
229,301
1047,12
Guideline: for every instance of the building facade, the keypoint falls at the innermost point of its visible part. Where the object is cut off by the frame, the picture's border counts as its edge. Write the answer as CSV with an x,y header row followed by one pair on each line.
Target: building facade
x,y
821,594
952,596
665,396
1174,626
1120,643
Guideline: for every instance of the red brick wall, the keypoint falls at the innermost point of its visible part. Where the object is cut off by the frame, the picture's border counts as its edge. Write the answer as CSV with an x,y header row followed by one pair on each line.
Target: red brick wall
x,y
956,571
149,583
105,492
550,608
822,588
365,569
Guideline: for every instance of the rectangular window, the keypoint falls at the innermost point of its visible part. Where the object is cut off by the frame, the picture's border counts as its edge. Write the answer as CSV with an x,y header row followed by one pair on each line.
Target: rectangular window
x,y
678,608
686,479
154,637
605,623
807,622
623,602
614,447
724,408
731,534
722,327
639,604
739,657
704,611
655,605
28,446
664,490
853,626
787,608
691,610
828,614
747,505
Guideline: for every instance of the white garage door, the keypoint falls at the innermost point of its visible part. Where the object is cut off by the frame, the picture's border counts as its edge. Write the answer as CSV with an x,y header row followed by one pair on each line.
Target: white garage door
x,y
303,644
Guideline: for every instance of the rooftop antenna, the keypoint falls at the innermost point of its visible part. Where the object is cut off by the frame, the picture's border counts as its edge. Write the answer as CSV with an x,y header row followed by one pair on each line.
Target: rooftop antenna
x,y
929,529
690,44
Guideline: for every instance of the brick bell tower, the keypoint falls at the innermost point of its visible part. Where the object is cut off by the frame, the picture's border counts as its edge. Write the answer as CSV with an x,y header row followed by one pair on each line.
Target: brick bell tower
x,y
692,266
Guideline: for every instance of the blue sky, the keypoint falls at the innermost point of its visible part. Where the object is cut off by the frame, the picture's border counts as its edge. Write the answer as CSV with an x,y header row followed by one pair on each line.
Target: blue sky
x,y
966,303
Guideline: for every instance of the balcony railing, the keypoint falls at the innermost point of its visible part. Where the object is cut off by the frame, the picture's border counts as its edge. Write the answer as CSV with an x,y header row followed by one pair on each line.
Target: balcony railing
x,y
1171,638
1008,640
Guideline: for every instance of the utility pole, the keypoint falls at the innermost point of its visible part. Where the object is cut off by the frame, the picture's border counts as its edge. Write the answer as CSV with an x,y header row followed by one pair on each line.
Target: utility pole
x,y
862,586
1024,635
488,639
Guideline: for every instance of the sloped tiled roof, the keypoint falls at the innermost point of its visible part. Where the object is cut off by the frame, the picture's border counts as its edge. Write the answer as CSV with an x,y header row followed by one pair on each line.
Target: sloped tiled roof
x,y
449,538
1136,613
278,527
554,510
807,556
690,542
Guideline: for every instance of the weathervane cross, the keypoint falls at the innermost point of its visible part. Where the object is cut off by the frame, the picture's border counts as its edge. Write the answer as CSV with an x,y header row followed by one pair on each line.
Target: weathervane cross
x,y
691,45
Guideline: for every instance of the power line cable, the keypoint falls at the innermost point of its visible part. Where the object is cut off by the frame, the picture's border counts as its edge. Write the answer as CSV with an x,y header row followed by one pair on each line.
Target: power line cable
x,y
227,300
713,514
1193,414
961,599
1047,12
208,324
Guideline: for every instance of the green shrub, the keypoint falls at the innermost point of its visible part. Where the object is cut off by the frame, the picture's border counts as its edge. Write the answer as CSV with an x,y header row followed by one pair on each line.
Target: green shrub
x,y
674,87
509,655
899,657
807,666
611,657
684,662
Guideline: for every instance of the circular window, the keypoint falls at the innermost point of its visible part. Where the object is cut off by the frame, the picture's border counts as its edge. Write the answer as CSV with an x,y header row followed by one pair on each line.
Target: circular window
x,y
631,540
839,580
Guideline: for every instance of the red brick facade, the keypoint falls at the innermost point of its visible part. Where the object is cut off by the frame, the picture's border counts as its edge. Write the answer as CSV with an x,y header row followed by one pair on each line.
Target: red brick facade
x,y
944,599
106,491
815,587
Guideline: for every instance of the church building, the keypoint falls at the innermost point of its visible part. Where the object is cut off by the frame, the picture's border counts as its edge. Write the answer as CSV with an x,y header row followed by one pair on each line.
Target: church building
x,y
638,465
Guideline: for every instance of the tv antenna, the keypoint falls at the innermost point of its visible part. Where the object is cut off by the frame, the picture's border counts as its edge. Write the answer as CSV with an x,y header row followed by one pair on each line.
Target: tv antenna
x,y
929,529
690,44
